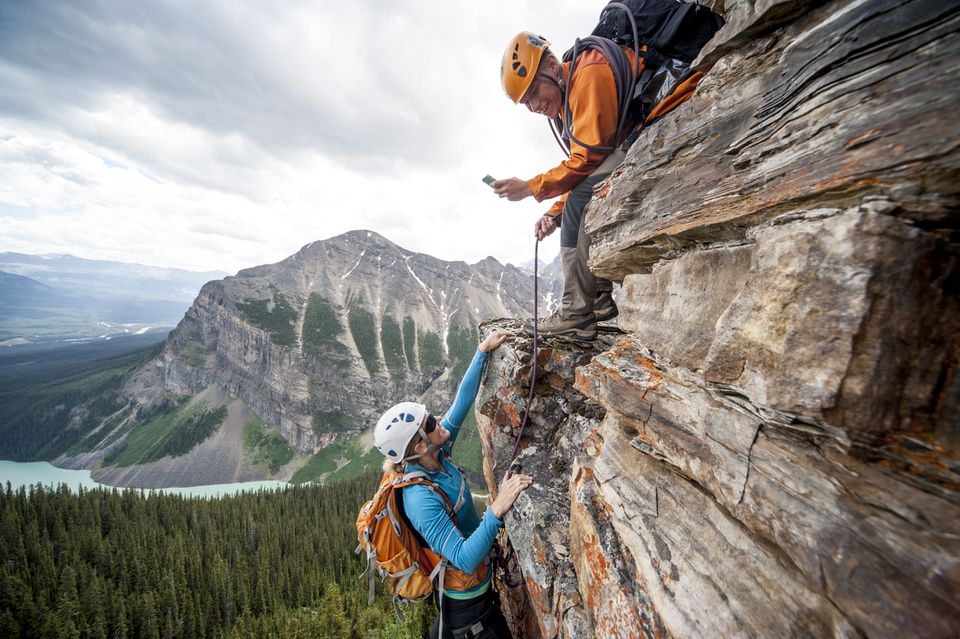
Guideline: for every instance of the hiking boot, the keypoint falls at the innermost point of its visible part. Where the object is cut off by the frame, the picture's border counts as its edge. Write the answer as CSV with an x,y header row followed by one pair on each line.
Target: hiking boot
x,y
604,308
556,326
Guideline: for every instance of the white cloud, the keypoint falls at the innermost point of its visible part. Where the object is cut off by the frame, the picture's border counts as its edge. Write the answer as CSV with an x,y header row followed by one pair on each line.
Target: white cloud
x,y
224,135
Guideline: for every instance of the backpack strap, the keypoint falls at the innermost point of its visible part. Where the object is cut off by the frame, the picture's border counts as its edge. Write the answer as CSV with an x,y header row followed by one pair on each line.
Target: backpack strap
x,y
670,29
420,478
404,576
413,474
440,570
624,75
463,485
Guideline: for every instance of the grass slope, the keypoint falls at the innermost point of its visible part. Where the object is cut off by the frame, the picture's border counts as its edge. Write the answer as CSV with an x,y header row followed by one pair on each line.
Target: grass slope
x,y
169,434
269,447
362,458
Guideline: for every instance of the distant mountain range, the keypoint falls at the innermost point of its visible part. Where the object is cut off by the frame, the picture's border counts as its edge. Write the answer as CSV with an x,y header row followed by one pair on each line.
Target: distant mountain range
x,y
46,297
107,278
311,350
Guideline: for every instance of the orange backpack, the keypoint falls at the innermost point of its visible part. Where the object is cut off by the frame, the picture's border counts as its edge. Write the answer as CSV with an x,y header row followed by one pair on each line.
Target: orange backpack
x,y
396,552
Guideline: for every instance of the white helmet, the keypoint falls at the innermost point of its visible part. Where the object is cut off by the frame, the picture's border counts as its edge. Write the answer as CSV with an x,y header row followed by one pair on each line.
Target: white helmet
x,y
397,427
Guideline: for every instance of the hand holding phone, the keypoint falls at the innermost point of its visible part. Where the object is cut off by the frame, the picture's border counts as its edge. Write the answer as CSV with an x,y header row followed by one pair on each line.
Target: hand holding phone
x,y
488,180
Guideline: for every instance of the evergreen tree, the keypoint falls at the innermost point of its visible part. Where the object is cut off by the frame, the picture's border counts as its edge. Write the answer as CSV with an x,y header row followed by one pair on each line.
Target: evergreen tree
x,y
135,564
331,610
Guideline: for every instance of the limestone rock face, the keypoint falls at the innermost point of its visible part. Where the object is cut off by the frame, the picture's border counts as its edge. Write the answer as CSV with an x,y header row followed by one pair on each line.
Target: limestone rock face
x,y
337,332
769,448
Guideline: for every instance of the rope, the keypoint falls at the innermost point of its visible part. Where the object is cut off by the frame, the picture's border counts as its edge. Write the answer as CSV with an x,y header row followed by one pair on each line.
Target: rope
x,y
502,559
624,76
533,365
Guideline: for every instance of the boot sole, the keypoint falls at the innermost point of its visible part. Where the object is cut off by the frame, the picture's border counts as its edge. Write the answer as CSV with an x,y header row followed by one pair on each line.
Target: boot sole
x,y
579,334
606,315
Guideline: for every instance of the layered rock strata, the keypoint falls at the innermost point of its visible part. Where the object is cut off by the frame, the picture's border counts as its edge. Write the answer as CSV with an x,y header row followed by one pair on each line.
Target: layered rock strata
x,y
770,448
318,344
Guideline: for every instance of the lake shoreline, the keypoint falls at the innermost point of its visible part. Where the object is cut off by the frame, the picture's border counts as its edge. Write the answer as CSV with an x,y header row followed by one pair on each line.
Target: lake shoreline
x,y
25,474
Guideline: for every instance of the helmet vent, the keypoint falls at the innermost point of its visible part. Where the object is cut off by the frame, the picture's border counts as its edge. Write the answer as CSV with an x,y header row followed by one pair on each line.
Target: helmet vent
x,y
522,72
392,452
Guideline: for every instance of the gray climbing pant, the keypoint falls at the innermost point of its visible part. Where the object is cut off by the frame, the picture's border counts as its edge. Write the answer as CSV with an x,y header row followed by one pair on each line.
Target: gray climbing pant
x,y
580,286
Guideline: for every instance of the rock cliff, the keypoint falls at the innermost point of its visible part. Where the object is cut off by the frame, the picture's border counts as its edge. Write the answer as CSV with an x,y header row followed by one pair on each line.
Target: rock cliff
x,y
316,346
318,343
769,448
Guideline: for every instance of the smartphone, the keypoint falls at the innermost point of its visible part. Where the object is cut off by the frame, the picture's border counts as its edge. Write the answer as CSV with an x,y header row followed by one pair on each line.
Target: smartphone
x,y
488,180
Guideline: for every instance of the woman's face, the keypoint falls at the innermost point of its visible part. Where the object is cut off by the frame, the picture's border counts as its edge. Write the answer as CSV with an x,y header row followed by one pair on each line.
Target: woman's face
x,y
436,433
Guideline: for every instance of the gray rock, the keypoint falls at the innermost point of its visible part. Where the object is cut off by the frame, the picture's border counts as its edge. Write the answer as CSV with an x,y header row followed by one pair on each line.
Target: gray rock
x,y
771,448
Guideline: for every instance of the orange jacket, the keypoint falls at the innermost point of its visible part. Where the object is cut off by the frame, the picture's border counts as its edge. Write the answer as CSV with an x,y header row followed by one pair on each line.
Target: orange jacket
x,y
593,106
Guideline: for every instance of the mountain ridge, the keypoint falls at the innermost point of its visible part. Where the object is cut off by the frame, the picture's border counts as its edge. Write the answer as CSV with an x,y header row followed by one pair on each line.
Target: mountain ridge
x,y
316,345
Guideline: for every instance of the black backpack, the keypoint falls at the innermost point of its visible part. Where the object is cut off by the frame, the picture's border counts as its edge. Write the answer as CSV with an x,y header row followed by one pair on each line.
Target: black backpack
x,y
670,28
673,31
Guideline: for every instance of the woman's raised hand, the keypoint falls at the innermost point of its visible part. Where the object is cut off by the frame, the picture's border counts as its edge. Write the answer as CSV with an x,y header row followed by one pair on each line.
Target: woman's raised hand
x,y
510,489
493,340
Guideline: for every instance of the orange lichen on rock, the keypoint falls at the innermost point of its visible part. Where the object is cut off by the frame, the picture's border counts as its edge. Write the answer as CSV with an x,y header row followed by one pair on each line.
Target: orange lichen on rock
x,y
594,442
541,604
556,381
539,551
595,559
585,382
617,617
615,609
602,509
602,190
513,415
918,454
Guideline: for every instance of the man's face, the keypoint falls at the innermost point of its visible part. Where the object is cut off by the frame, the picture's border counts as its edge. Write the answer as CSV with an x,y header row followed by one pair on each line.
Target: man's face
x,y
543,97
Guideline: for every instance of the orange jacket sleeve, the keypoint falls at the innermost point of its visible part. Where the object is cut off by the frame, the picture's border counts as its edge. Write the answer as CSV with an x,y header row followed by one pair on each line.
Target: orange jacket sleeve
x,y
557,207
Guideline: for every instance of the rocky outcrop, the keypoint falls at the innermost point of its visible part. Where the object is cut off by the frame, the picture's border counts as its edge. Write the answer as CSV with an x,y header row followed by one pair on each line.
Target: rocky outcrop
x,y
770,448
562,428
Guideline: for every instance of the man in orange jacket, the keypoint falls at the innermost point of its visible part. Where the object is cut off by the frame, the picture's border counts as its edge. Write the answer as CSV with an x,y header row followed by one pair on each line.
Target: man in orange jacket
x,y
533,76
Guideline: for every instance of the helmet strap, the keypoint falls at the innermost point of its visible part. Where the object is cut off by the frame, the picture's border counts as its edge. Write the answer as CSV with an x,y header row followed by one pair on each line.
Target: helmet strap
x,y
430,447
558,83
541,74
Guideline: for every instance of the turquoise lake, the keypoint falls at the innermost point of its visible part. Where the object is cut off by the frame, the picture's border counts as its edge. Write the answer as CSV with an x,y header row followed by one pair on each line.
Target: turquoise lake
x,y
32,473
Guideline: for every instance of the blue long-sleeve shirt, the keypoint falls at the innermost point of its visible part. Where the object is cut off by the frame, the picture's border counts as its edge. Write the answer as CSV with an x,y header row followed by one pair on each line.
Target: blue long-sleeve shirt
x,y
467,544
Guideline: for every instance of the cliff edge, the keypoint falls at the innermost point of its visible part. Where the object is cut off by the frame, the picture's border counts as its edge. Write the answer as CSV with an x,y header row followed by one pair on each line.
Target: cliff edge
x,y
768,448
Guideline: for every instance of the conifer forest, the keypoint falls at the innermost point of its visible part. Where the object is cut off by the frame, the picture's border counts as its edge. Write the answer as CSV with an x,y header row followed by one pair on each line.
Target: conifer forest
x,y
107,563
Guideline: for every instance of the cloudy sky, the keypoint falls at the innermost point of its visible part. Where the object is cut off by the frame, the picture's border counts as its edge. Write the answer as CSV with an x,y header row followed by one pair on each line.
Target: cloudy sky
x,y
224,134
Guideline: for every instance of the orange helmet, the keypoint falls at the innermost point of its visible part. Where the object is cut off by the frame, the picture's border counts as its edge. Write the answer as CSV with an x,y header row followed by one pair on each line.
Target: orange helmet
x,y
520,63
